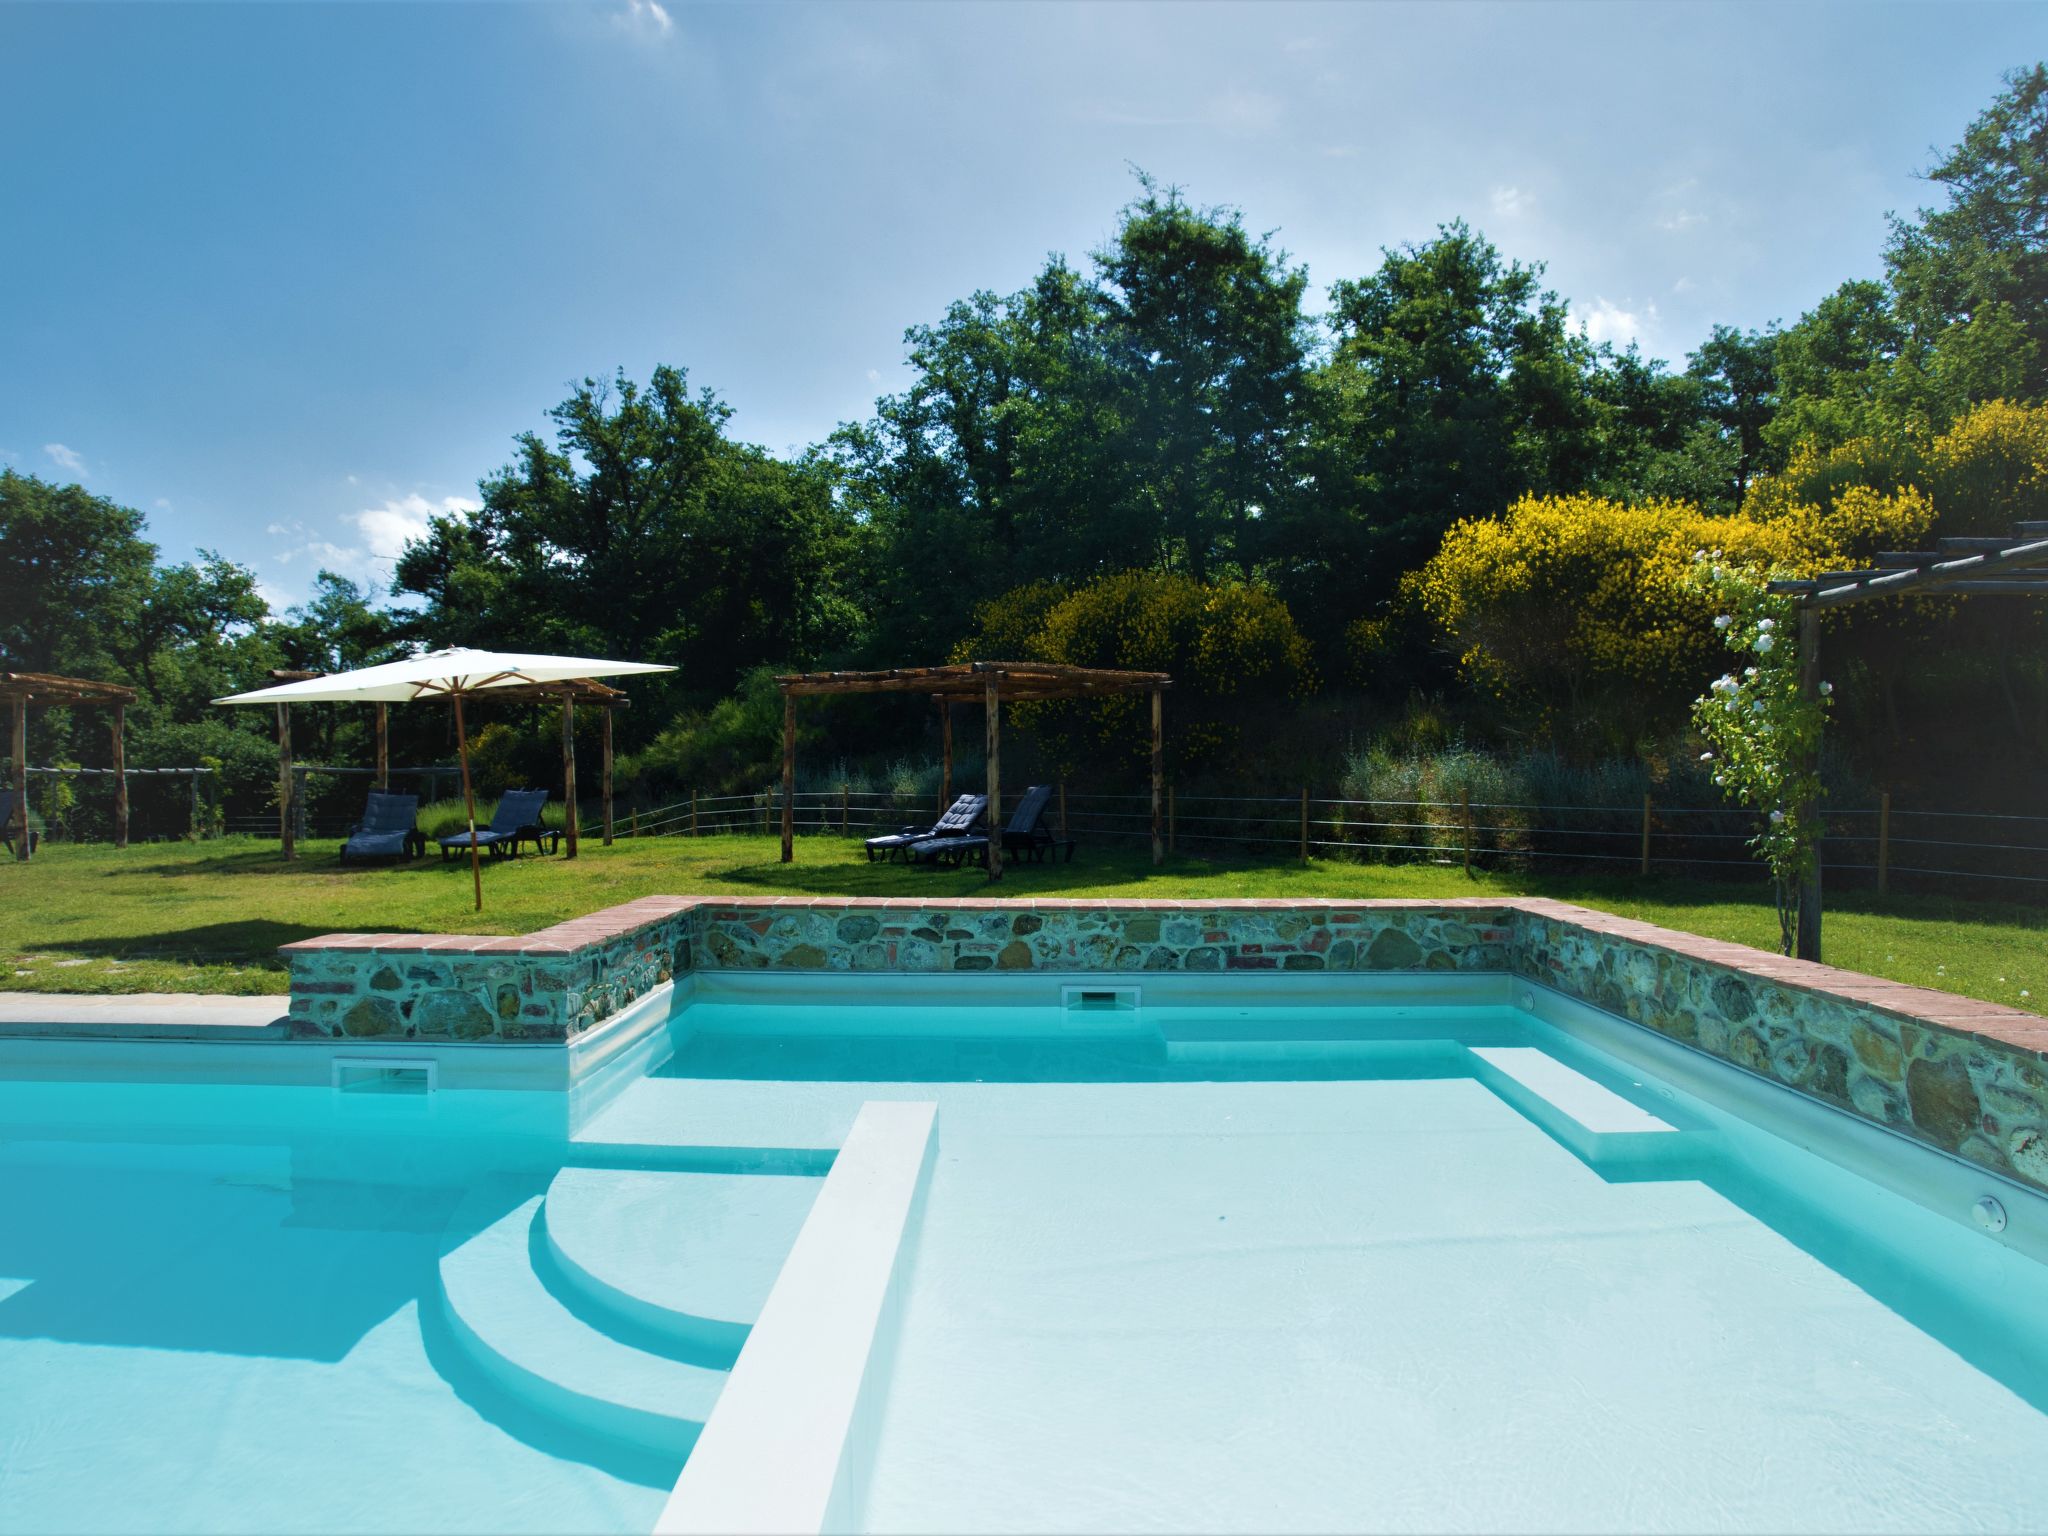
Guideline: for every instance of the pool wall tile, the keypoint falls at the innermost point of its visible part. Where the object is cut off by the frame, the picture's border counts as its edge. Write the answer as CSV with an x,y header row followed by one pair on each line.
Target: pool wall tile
x,y
1965,1076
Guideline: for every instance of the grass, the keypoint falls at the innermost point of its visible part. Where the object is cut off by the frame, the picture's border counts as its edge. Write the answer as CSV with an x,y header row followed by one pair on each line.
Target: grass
x,y
208,917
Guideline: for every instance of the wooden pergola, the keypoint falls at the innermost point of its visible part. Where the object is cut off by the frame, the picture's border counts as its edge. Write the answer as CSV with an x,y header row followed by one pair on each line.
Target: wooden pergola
x,y
20,689
566,693
990,684
2015,566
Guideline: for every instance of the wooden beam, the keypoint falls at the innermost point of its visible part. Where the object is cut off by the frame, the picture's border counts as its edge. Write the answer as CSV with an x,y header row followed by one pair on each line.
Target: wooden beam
x,y
1158,775
120,775
569,775
607,778
1807,943
992,701
284,786
381,726
788,778
18,752
476,868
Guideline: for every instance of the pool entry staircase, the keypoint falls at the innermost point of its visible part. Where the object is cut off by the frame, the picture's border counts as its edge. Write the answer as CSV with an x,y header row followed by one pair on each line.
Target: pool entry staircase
x,y
615,1304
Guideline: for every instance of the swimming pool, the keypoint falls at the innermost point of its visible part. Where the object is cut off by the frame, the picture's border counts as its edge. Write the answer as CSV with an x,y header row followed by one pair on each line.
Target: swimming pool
x,y
1230,1253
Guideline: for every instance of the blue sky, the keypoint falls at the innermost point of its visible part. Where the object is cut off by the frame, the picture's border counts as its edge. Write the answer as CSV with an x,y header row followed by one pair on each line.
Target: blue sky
x,y
288,277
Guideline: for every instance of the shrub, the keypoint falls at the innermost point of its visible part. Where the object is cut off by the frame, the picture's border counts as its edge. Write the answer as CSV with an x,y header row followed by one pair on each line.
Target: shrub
x,y
1234,653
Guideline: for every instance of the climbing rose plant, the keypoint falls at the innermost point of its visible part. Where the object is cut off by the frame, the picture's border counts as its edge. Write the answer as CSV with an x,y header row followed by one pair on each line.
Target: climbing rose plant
x,y
1763,734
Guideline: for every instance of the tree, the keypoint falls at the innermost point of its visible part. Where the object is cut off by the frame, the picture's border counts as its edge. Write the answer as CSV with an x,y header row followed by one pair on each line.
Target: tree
x,y
1972,276
1738,376
1205,327
642,530
74,567
1456,385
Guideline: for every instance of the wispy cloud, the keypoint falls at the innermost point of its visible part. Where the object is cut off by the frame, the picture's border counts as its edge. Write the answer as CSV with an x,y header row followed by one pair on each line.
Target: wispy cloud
x,y
387,529
1609,322
67,459
1511,202
648,20
377,537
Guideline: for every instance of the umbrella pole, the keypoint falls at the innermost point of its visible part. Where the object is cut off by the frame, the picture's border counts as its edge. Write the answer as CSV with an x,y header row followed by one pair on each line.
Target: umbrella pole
x,y
476,874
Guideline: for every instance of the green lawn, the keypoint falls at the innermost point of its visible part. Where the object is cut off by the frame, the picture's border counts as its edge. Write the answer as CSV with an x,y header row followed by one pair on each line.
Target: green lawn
x,y
209,916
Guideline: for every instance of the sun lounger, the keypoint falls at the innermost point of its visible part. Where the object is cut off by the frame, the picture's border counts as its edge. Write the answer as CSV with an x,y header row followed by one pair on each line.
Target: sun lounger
x,y
1023,831
959,819
517,817
386,830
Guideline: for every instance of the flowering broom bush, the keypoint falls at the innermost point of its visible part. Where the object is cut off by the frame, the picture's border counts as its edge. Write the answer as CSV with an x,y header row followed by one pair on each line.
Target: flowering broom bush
x,y
1763,733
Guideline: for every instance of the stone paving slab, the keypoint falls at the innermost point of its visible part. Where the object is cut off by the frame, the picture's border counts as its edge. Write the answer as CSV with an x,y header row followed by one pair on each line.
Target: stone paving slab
x,y
143,1015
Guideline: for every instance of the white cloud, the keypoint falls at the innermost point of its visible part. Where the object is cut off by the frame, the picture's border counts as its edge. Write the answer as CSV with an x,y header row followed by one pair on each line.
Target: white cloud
x,y
1684,285
874,375
162,504
387,529
1510,202
1680,219
377,537
647,19
66,459
1609,322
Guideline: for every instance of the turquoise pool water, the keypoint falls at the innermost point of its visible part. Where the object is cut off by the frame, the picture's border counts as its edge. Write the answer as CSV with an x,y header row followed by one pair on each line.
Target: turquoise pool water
x,y
1302,1268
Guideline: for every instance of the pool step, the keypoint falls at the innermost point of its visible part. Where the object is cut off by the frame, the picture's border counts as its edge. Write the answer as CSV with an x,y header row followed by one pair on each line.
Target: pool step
x,y
532,1345
1608,1132
678,1262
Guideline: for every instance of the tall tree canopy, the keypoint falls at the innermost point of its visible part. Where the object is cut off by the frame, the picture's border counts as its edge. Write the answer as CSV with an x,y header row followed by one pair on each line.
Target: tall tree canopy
x,y
642,530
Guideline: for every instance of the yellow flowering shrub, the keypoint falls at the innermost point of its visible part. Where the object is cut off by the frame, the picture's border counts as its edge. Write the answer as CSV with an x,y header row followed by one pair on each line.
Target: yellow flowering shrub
x,y
1231,649
1990,470
1566,598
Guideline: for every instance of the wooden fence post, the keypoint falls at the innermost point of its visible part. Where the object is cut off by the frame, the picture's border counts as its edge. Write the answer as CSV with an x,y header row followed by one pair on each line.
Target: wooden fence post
x,y
120,776
1304,823
693,813
1646,832
632,824
845,825
1884,841
1465,801
193,778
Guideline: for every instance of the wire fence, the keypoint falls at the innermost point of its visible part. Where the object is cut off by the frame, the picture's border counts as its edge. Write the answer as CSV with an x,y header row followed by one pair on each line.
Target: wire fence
x,y
1883,845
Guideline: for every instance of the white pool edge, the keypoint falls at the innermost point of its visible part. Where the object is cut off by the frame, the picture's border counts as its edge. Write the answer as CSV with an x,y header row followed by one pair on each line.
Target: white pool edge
x,y
785,1449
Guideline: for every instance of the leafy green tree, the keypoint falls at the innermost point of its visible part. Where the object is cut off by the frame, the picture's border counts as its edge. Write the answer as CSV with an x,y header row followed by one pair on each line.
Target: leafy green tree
x,y
74,567
1973,275
1737,372
1456,385
1205,327
641,530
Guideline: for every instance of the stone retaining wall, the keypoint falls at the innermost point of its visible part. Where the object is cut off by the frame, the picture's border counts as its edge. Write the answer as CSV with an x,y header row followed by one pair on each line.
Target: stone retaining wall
x,y
1963,1076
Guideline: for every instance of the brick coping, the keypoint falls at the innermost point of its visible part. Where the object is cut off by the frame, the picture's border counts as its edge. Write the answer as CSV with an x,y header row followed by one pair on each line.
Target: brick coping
x,y
1991,1022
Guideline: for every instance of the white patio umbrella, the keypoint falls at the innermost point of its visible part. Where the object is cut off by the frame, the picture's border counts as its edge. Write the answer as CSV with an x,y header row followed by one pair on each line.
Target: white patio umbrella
x,y
450,674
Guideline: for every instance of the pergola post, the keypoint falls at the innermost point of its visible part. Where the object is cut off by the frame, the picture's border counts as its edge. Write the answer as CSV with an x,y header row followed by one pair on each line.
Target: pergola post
x,y
569,772
607,776
381,729
19,754
992,699
1158,771
788,778
1807,943
120,776
945,754
284,781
